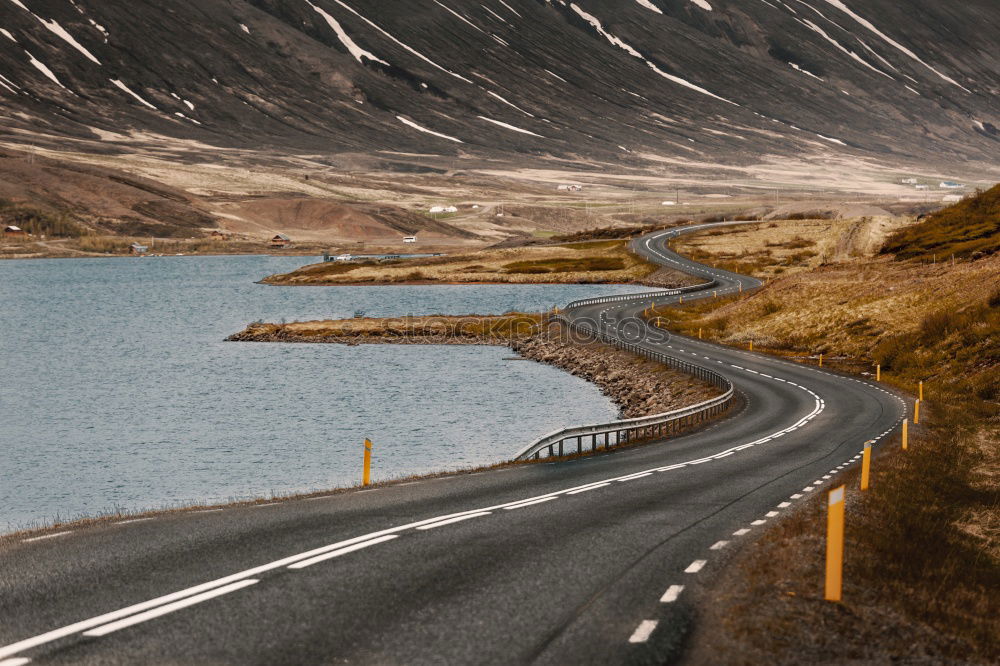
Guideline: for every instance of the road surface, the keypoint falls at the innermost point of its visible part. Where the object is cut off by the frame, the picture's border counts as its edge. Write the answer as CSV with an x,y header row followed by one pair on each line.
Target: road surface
x,y
590,561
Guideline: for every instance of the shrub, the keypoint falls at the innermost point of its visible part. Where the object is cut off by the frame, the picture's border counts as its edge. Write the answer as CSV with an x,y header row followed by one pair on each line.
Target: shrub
x,y
969,228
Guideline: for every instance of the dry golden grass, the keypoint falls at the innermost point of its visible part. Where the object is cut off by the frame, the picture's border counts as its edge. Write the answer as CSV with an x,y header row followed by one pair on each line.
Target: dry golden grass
x,y
790,246
595,262
923,546
453,328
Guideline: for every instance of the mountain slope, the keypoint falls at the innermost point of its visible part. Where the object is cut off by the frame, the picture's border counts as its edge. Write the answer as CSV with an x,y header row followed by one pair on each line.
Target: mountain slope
x,y
625,81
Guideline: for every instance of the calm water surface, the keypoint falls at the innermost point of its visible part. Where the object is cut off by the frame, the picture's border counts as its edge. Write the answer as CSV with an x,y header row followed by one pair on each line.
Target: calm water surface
x,y
117,390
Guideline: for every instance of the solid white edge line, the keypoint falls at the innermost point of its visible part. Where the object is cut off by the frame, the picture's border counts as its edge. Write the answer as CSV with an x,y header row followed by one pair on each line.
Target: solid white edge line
x,y
46,536
342,551
169,608
670,596
643,631
16,661
583,490
456,519
533,502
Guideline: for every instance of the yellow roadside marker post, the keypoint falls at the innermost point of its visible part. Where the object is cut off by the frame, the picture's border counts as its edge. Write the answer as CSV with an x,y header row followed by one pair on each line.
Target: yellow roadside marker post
x,y
906,423
878,372
699,333
715,294
751,345
366,477
682,298
834,544
916,412
921,395
866,465
821,360
741,287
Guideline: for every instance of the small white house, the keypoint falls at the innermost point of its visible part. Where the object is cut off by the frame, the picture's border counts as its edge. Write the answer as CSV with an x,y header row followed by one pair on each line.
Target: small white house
x,y
569,188
909,181
443,209
669,203
950,185
922,187
409,239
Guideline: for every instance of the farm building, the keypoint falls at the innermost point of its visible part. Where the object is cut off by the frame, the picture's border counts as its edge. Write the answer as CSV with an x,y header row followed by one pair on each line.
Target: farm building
x,y
281,240
11,230
135,248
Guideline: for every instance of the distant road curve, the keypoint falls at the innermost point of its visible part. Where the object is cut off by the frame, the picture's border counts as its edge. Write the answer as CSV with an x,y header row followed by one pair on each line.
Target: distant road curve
x,y
598,560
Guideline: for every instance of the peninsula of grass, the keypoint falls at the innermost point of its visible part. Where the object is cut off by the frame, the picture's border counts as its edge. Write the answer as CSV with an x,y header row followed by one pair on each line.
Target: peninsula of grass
x,y
594,262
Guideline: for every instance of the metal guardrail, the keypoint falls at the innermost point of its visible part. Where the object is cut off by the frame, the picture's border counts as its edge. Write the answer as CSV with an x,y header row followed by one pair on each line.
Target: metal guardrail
x,y
640,296
617,433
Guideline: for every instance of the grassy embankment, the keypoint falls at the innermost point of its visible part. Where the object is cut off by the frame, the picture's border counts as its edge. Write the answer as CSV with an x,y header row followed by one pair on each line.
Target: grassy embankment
x,y
592,262
454,329
923,545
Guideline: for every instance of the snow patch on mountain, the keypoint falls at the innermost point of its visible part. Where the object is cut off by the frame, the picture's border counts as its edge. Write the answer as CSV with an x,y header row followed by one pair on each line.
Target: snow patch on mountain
x,y
60,32
8,84
462,18
703,4
510,104
345,39
797,68
7,34
593,20
495,14
890,41
125,88
511,9
650,6
40,66
421,128
818,30
510,127
404,46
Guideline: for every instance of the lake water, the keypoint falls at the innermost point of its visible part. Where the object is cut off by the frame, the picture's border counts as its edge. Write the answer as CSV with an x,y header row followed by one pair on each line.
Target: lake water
x,y
117,390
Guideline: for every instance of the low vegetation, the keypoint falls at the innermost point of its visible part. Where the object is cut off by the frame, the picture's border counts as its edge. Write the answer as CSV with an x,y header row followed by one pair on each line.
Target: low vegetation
x,y
923,545
587,262
789,246
434,329
39,222
968,230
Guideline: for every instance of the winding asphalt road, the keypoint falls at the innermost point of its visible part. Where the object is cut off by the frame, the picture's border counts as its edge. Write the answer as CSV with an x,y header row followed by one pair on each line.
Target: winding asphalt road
x,y
590,561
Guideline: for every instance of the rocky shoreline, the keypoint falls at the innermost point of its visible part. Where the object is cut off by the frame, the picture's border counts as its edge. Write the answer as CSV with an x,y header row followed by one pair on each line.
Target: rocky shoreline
x,y
638,386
